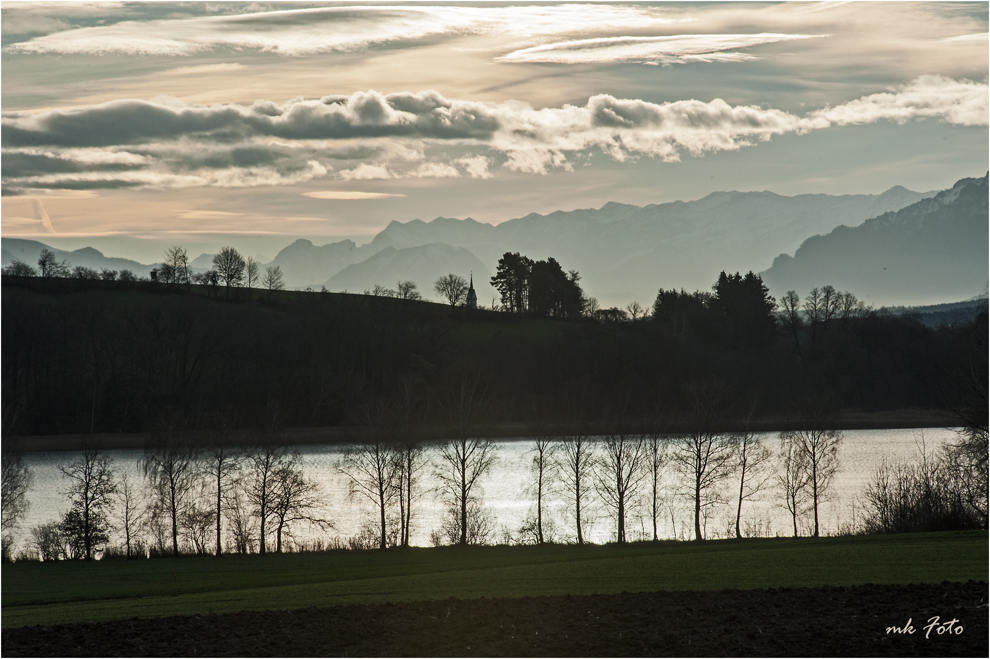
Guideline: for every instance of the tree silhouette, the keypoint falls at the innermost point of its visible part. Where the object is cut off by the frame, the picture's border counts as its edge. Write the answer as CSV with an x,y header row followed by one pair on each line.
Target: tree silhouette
x,y
50,266
466,458
175,266
619,473
704,454
229,265
451,287
818,443
169,464
372,466
91,492
511,280
273,280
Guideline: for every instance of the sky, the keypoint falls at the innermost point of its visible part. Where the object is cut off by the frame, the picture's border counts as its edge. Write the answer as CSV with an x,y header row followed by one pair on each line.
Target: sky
x,y
132,125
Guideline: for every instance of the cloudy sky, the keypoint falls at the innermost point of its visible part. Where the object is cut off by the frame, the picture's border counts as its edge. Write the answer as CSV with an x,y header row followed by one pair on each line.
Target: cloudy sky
x,y
189,122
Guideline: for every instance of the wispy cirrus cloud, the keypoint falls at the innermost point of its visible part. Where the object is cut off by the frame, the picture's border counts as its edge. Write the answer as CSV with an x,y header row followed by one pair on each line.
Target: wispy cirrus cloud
x,y
374,136
968,39
349,195
665,50
338,29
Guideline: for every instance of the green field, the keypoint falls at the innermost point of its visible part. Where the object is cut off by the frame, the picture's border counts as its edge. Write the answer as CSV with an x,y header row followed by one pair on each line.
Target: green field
x,y
51,593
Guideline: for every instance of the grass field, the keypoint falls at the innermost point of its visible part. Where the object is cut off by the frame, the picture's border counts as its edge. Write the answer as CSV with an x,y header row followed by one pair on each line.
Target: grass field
x,y
52,593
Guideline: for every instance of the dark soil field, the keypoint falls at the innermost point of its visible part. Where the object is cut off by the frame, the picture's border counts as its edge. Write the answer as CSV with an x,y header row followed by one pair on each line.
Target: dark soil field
x,y
826,621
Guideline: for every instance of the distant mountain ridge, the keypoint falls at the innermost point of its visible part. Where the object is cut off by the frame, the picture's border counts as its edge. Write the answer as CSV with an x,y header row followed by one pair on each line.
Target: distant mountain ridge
x,y
28,250
623,252
627,252
930,251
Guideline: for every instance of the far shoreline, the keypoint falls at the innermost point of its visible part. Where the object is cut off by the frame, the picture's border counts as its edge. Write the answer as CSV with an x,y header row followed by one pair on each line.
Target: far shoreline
x,y
895,419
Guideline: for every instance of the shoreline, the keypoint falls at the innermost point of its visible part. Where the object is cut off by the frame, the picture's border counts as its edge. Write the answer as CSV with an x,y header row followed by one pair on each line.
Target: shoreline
x,y
898,419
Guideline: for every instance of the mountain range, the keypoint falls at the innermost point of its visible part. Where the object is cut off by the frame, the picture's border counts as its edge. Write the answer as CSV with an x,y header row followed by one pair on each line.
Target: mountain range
x,y
935,241
622,252
933,250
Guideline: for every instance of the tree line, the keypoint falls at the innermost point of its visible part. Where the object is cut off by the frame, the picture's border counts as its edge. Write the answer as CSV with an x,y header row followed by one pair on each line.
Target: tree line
x,y
106,358
221,490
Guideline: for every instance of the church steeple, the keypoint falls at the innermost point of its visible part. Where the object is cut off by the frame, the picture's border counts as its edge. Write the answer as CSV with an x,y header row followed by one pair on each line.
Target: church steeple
x,y
472,297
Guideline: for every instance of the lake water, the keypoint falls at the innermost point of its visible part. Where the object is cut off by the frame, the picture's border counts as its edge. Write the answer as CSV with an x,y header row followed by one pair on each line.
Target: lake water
x,y
507,493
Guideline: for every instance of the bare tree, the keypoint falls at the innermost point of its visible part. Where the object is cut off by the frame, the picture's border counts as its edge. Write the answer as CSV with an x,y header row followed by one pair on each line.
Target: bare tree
x,y
175,266
543,468
91,492
451,287
635,310
16,479
619,473
792,476
229,265
264,460
18,268
82,272
575,459
466,458
273,280
130,511
372,467
250,271
169,464
657,456
819,447
704,455
241,524
295,499
752,460
221,460
407,291
409,452
382,291
50,266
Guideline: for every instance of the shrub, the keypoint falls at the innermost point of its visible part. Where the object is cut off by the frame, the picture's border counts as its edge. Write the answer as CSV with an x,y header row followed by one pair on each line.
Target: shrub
x,y
925,496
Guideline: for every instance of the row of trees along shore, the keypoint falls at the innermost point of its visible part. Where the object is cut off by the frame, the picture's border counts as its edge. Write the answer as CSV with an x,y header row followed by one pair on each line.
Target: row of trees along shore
x,y
216,488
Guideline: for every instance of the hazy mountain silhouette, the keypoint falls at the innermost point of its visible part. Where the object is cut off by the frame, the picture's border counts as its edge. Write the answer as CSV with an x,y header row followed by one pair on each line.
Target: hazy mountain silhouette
x,y
305,264
422,264
28,250
626,252
931,251
623,252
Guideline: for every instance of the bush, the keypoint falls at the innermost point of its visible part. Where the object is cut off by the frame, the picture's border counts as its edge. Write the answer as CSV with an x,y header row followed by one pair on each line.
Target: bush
x,y
480,526
926,496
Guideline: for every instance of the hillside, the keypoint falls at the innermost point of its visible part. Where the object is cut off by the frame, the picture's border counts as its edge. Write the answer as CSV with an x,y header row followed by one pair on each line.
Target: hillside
x,y
929,252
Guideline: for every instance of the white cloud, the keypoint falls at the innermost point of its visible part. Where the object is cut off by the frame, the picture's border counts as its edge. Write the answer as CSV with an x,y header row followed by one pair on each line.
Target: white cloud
x,y
475,166
435,170
960,102
373,136
366,172
342,29
671,49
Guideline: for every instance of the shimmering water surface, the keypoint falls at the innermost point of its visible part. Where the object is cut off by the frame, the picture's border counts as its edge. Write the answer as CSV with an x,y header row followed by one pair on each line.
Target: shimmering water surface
x,y
507,492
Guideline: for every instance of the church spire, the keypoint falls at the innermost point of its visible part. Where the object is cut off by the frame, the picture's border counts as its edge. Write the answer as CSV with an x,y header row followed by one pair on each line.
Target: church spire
x,y
472,297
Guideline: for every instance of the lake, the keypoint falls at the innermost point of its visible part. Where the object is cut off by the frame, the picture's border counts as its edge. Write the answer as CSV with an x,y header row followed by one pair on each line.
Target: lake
x,y
507,493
